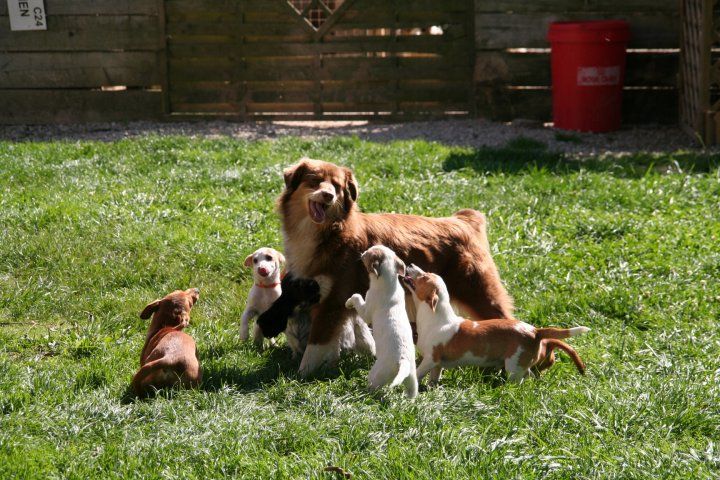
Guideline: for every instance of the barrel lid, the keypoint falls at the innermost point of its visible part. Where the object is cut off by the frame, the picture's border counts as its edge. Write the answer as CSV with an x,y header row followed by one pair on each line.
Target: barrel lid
x,y
589,31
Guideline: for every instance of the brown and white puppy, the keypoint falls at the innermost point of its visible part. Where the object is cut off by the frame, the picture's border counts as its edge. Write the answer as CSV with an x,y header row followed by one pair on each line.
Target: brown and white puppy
x,y
325,233
447,340
169,356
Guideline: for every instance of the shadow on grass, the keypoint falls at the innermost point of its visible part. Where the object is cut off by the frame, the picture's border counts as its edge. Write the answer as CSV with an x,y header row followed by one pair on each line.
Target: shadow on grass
x,y
217,375
277,362
526,155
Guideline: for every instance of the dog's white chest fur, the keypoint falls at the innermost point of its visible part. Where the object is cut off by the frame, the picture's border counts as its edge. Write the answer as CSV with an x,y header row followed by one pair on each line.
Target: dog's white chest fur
x,y
260,299
300,247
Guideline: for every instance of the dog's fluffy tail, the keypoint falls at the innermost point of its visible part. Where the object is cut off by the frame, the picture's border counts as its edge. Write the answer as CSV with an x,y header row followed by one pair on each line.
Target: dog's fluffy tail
x,y
552,344
473,217
559,333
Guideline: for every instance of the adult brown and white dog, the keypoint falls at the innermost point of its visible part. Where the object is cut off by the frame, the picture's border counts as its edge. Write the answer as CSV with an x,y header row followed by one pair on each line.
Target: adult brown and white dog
x,y
325,233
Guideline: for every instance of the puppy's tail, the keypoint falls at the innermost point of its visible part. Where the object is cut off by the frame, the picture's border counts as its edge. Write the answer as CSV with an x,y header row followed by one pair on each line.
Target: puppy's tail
x,y
552,344
559,333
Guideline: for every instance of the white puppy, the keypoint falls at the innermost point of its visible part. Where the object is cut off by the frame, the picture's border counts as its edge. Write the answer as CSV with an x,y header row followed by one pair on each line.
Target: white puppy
x,y
266,264
384,309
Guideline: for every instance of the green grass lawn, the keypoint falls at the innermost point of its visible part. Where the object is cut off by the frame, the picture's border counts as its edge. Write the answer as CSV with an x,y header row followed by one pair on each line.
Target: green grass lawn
x,y
91,232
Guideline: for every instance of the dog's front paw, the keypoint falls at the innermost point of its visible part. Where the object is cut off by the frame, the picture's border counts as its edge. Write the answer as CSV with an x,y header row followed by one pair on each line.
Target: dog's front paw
x,y
353,301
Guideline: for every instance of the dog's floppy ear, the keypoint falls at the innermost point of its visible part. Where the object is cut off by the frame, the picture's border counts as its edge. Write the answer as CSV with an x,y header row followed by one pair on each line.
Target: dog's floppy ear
x,y
194,294
434,301
351,187
248,260
281,258
150,309
399,266
374,265
372,262
293,175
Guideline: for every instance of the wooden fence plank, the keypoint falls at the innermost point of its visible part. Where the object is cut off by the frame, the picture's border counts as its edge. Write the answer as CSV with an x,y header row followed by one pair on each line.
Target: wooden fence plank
x,y
569,6
533,69
214,69
364,45
94,7
78,69
70,106
639,106
236,29
121,32
500,31
173,7
366,94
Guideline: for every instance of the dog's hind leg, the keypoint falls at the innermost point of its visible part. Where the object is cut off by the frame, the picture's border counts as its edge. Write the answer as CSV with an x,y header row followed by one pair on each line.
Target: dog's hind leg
x,y
364,342
426,365
379,377
411,384
145,377
434,375
258,337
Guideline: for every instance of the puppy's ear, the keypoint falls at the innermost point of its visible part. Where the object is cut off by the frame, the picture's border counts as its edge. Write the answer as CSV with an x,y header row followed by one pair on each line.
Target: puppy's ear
x,y
293,175
371,262
248,260
150,309
194,294
399,266
281,258
434,301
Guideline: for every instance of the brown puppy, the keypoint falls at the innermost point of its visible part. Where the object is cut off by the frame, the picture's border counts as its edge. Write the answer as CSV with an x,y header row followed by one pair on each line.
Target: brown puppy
x,y
169,356
446,340
325,233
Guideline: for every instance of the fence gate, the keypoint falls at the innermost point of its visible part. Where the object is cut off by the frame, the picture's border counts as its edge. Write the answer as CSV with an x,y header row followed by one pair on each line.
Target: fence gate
x,y
319,58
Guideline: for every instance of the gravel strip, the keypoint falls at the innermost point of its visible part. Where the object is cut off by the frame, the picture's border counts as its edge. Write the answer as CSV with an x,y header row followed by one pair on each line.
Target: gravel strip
x,y
466,132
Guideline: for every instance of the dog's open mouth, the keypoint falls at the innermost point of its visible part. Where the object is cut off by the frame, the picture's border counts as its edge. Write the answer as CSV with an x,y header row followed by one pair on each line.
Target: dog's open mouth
x,y
408,280
317,211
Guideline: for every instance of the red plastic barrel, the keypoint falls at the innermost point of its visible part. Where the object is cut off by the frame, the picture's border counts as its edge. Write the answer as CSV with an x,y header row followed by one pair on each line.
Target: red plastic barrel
x,y
588,70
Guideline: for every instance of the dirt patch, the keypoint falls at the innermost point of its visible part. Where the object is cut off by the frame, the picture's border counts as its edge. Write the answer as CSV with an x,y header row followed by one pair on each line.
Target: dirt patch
x,y
466,132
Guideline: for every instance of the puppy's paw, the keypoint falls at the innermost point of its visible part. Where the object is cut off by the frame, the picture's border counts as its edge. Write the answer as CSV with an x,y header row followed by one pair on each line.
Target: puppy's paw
x,y
353,301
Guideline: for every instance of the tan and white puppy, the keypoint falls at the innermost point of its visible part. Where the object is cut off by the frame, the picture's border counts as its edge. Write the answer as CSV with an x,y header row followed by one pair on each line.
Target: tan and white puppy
x,y
169,356
267,268
384,309
446,340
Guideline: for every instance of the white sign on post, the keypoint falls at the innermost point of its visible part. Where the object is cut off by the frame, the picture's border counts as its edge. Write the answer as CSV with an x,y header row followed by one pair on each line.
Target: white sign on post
x,y
27,15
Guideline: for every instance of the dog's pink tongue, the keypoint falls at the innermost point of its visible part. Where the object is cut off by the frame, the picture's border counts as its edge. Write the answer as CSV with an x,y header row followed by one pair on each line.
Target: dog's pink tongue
x,y
317,212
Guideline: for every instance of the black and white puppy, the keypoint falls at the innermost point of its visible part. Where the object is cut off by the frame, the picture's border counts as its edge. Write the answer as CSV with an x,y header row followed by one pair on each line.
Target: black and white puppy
x,y
290,312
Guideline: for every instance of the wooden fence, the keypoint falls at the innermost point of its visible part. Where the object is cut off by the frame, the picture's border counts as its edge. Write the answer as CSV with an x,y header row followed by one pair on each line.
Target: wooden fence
x,y
104,60
98,61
